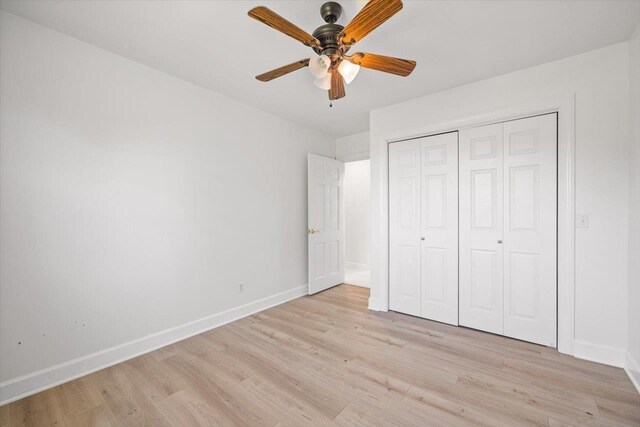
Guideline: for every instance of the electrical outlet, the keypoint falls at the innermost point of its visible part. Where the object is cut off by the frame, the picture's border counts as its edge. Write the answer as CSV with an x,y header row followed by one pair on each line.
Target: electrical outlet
x,y
582,220
241,288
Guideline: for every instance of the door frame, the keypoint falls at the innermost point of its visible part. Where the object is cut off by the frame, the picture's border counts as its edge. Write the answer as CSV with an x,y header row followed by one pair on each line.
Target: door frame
x,y
565,107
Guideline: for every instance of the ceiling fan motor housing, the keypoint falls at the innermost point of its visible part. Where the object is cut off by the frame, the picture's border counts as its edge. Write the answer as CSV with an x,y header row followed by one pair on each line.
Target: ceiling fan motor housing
x,y
328,34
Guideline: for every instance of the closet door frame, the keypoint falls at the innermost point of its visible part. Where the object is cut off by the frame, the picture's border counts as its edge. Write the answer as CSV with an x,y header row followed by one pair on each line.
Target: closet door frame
x,y
565,107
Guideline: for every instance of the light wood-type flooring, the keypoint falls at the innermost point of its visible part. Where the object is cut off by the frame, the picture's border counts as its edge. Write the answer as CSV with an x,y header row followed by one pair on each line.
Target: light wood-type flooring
x,y
326,360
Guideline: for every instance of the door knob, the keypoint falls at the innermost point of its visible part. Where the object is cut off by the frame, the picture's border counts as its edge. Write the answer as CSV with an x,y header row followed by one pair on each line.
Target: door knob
x,y
500,241
313,231
422,238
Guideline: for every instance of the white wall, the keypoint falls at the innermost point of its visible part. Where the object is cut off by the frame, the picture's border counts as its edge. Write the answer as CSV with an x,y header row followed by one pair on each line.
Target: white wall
x,y
131,203
357,190
353,147
600,81
633,355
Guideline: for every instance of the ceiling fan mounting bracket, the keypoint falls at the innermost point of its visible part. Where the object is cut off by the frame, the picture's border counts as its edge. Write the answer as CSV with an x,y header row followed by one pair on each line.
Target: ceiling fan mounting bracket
x,y
331,12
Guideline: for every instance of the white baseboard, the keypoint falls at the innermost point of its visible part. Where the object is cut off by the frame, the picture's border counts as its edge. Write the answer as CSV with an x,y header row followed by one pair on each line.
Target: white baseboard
x,y
632,367
374,305
356,266
599,353
35,382
358,284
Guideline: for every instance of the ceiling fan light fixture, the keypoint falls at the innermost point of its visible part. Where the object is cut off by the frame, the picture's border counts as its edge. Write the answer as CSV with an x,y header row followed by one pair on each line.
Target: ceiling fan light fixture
x,y
331,41
323,83
319,66
348,70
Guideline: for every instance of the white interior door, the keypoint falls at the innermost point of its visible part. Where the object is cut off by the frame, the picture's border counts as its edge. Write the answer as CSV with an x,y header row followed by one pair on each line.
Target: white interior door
x,y
508,185
326,222
439,225
423,226
530,171
481,228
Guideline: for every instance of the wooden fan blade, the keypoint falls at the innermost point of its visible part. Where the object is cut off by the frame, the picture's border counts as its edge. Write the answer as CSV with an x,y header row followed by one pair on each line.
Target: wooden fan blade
x,y
372,15
272,19
337,85
279,72
388,64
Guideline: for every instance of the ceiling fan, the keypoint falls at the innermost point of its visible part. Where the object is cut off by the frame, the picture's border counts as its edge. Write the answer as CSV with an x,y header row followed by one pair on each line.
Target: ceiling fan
x,y
333,67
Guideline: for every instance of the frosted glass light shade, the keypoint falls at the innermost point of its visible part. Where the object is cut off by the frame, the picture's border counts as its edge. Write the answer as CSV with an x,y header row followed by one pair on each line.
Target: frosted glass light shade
x,y
348,70
319,66
323,83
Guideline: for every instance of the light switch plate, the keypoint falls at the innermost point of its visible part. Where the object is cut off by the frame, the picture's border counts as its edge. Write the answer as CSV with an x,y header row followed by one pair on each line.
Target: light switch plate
x,y
582,221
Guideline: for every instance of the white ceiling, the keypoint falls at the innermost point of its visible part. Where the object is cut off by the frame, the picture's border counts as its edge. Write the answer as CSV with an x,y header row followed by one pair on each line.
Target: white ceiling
x,y
215,44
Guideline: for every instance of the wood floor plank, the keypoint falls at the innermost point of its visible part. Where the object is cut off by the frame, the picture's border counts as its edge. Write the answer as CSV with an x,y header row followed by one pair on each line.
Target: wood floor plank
x,y
326,360
619,410
4,416
218,395
41,409
450,411
125,398
287,408
528,399
321,399
156,381
370,410
357,380
77,396
99,416
186,408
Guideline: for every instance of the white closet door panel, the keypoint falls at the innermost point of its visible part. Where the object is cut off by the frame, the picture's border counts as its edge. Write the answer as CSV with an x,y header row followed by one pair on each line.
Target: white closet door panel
x,y
530,229
404,227
439,227
481,228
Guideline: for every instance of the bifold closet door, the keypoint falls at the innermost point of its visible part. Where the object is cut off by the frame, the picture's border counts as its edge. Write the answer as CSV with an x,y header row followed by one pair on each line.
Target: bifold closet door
x,y
404,227
439,225
423,215
530,258
508,188
481,228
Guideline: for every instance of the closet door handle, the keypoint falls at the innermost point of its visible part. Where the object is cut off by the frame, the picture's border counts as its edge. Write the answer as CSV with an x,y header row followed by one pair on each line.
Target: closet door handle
x,y
500,241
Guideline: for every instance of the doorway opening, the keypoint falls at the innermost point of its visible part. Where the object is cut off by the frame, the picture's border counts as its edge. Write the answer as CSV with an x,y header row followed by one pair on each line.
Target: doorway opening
x,y
357,190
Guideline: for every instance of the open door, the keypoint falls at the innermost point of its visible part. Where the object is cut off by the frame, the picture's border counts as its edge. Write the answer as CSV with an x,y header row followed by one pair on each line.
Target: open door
x,y
326,223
